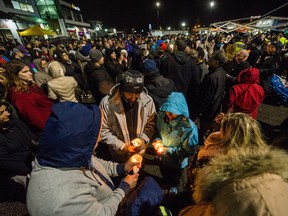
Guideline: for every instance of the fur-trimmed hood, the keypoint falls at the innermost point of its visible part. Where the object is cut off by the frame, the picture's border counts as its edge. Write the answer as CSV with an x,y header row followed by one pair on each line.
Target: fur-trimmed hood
x,y
237,165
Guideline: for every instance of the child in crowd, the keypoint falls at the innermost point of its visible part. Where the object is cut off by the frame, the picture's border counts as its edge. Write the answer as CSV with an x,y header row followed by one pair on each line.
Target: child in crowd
x,y
178,138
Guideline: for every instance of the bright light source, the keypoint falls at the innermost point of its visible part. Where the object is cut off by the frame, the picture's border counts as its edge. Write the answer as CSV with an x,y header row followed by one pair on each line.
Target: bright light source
x,y
169,28
183,24
212,4
157,4
106,30
97,28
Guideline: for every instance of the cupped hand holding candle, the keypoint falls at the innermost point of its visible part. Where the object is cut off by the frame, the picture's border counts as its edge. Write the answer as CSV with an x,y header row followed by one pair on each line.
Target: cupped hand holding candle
x,y
159,148
136,160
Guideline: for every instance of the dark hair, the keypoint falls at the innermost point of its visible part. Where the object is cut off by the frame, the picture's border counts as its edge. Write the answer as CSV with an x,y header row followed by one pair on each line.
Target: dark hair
x,y
201,53
181,45
220,56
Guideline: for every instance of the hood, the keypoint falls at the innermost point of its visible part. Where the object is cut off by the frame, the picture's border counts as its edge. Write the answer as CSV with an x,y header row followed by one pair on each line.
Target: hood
x,y
56,69
181,57
238,165
81,57
36,62
176,103
250,75
69,135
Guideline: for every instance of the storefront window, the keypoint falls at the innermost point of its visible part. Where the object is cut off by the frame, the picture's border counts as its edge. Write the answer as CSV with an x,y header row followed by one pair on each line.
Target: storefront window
x,y
24,5
67,14
77,17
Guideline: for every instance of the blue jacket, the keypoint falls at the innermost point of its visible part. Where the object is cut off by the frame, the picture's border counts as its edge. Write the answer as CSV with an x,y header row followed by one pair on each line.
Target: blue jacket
x,y
179,135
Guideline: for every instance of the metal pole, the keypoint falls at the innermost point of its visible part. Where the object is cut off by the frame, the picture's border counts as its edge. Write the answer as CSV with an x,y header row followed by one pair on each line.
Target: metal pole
x,y
158,17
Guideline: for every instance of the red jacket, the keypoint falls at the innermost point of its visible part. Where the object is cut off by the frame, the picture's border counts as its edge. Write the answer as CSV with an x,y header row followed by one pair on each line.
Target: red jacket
x,y
247,95
34,107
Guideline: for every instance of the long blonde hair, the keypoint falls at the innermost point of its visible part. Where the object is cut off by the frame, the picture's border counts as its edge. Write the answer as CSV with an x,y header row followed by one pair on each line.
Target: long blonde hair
x,y
240,131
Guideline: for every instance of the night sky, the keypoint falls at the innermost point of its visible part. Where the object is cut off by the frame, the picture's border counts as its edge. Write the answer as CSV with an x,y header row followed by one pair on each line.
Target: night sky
x,y
138,14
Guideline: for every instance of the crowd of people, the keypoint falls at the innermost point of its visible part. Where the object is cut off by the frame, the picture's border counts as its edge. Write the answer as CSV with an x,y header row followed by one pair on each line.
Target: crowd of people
x,y
75,114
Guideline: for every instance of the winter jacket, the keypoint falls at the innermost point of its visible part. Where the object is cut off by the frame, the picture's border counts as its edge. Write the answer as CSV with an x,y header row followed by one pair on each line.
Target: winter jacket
x,y
247,95
211,94
243,184
34,107
114,129
180,135
183,71
99,81
159,87
61,87
66,180
15,153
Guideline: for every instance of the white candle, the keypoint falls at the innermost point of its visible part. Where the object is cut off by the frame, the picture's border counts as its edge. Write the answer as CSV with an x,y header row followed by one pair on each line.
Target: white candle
x,y
158,146
136,158
135,143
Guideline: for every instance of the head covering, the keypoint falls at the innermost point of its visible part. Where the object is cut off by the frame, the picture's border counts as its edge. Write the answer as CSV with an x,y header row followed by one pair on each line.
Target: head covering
x,y
86,49
56,69
69,135
16,50
95,55
176,104
132,81
108,52
163,46
275,44
149,66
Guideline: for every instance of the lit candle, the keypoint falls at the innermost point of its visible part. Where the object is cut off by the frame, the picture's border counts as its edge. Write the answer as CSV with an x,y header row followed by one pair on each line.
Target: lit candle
x,y
135,159
135,143
158,146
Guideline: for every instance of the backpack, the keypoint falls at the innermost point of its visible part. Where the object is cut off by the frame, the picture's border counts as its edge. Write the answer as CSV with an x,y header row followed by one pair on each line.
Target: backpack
x,y
277,84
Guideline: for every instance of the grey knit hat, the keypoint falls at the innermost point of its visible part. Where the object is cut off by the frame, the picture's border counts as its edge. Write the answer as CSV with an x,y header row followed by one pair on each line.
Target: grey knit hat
x,y
95,55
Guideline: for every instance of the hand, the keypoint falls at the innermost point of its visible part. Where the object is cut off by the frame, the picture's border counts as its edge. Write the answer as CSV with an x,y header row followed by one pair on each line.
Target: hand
x,y
161,151
219,118
159,148
131,180
129,165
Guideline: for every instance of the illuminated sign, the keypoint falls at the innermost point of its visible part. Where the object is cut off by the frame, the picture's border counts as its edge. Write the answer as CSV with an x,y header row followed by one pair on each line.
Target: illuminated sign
x,y
75,8
265,23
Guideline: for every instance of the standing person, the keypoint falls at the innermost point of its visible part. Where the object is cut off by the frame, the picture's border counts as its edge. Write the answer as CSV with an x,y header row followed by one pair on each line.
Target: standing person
x,y
179,136
239,64
112,64
269,64
247,94
30,101
99,80
129,115
212,91
247,178
158,86
67,179
183,70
